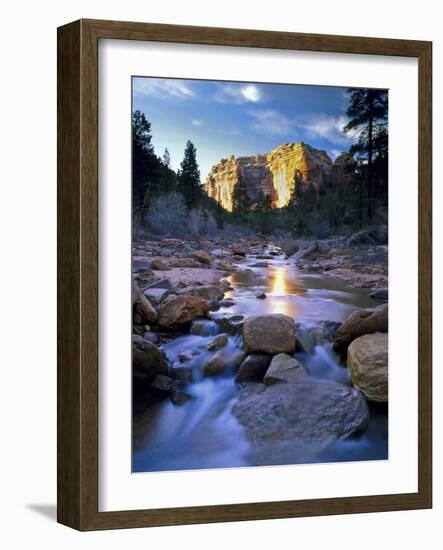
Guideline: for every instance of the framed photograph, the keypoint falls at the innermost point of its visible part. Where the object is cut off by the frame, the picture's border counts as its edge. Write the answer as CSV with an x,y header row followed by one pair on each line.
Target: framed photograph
x,y
240,214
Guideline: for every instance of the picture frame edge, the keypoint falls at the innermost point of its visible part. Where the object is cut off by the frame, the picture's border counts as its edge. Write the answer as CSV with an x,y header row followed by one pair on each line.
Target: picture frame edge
x,y
77,277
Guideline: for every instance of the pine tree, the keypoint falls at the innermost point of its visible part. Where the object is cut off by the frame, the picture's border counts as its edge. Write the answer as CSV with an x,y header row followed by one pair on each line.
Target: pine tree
x,y
368,113
166,158
263,213
189,176
145,165
240,200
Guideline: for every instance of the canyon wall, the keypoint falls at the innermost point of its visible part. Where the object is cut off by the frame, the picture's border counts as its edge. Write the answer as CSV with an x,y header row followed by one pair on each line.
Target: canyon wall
x,y
274,173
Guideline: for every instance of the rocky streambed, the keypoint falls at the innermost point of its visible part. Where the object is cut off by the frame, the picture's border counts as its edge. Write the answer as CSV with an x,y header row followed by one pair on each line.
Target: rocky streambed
x,y
243,356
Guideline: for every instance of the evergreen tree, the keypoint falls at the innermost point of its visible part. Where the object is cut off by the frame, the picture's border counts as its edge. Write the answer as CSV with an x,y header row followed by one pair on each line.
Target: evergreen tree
x,y
368,113
240,200
189,176
145,165
263,213
166,158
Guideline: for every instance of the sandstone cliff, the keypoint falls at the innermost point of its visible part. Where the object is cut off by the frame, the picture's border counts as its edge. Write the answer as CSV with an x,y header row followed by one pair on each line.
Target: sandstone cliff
x,y
274,173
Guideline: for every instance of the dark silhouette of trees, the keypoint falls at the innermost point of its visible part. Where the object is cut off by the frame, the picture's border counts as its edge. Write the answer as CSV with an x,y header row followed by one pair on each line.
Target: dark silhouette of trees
x,y
189,176
145,165
240,200
368,114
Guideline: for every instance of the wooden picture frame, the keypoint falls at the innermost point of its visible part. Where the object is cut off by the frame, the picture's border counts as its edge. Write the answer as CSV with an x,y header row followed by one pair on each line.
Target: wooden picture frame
x,y
78,274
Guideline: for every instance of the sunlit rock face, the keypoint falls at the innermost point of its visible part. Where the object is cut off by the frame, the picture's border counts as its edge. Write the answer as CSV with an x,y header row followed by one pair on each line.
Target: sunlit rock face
x,y
275,173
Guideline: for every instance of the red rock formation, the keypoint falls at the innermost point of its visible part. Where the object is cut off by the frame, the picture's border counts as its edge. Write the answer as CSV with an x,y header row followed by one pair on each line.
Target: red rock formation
x,y
273,173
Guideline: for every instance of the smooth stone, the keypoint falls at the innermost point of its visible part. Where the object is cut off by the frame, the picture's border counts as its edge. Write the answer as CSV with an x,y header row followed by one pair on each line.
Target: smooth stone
x,y
253,368
284,368
368,364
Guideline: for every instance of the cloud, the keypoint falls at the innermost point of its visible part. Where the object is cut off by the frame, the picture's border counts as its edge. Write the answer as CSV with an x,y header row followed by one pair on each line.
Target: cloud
x,y
271,122
162,87
309,126
328,127
238,94
196,122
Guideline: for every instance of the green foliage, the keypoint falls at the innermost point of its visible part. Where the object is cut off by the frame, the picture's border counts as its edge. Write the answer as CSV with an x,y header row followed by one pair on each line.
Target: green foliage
x,y
189,176
240,200
145,165
262,216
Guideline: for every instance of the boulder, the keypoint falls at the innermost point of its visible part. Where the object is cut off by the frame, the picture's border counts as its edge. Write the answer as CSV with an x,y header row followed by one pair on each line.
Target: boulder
x,y
307,251
380,294
239,249
148,361
274,333
182,309
362,321
218,342
161,283
179,397
202,257
186,262
283,368
163,384
232,324
308,411
159,265
181,373
261,295
209,292
141,306
156,295
368,364
224,361
253,368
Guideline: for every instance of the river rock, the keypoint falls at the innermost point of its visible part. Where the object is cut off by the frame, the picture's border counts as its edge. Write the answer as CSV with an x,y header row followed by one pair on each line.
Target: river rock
x,y
368,364
186,262
253,368
261,295
362,321
156,295
161,283
308,251
179,397
239,249
232,324
218,342
202,257
142,307
307,411
182,309
163,384
274,333
283,368
209,292
224,361
309,335
227,302
380,294
151,337
181,373
147,362
159,265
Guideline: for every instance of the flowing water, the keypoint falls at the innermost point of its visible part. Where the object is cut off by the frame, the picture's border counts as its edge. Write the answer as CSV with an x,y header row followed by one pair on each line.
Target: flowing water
x,y
202,433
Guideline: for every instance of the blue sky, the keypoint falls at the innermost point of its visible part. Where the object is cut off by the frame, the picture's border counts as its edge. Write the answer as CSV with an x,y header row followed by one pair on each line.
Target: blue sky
x,y
239,118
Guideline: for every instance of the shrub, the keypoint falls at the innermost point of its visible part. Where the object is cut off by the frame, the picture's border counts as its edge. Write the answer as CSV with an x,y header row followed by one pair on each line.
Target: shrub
x,y
167,214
